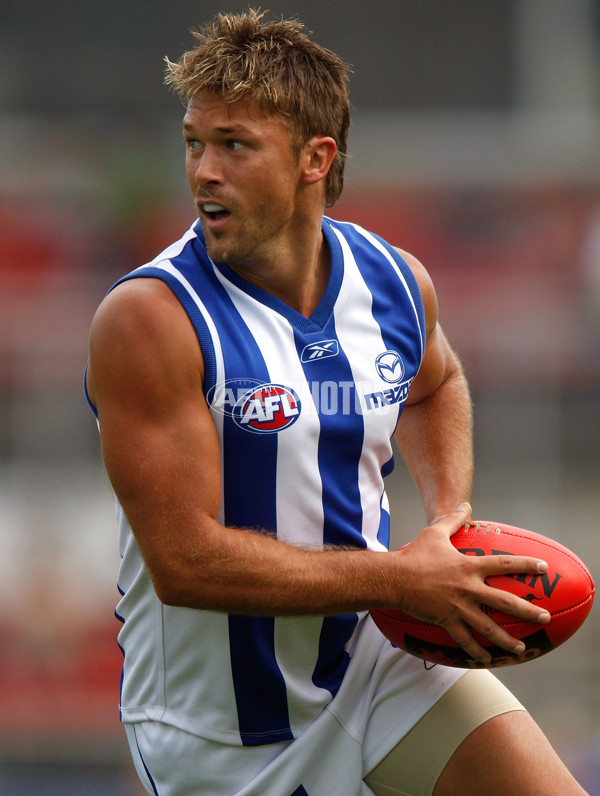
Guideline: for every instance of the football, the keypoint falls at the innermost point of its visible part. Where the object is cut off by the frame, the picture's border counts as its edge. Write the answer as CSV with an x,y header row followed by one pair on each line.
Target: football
x,y
566,590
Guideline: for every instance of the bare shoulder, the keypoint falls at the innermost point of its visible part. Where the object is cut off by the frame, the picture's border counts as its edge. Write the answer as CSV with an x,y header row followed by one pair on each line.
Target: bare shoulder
x,y
134,303
140,337
426,288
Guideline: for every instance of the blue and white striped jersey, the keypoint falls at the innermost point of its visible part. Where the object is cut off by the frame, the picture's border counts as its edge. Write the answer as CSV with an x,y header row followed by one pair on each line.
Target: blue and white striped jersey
x,y
304,409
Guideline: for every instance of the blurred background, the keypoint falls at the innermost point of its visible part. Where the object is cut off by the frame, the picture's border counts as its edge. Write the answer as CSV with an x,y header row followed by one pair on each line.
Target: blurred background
x,y
475,145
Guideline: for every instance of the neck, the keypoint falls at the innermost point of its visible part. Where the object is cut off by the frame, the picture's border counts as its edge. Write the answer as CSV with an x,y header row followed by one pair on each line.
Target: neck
x,y
298,274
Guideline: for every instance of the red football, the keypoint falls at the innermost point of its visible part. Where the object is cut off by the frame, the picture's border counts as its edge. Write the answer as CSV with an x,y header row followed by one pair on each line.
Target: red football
x,y
566,591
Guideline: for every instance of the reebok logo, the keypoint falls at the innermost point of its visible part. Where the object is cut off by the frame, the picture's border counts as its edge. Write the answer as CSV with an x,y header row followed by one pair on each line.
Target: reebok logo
x,y
321,350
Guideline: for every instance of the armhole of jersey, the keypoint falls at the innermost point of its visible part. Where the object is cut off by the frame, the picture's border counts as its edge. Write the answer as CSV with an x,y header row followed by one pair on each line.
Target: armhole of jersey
x,y
406,276
413,285
193,312
86,393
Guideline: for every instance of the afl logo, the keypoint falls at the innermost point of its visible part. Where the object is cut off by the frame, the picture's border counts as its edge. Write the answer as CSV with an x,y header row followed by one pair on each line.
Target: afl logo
x,y
390,366
267,409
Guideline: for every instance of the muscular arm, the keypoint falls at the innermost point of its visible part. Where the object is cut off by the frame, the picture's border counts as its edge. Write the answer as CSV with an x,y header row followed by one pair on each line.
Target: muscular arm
x,y
161,453
162,456
435,438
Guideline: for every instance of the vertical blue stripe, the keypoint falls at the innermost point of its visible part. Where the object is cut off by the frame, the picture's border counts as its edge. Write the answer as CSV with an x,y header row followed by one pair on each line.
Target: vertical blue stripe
x,y
249,501
383,532
340,441
358,241
249,493
340,447
333,660
392,308
259,686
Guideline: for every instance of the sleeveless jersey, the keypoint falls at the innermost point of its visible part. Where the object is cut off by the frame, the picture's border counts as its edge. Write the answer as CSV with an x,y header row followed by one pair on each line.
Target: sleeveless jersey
x,y
305,409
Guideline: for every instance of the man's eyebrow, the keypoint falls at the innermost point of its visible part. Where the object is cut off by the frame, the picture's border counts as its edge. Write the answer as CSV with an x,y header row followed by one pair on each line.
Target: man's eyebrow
x,y
226,129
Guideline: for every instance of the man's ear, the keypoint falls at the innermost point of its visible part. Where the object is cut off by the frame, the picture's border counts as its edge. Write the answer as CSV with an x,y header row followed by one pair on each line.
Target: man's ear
x,y
317,156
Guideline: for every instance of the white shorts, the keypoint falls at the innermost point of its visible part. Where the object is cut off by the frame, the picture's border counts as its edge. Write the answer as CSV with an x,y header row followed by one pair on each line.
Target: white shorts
x,y
350,738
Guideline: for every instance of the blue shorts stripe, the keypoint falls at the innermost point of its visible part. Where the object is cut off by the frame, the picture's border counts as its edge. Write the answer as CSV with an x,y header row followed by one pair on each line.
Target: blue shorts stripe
x,y
148,774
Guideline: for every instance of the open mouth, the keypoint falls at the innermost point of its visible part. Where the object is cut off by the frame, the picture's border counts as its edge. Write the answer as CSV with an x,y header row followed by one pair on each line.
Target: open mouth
x,y
214,211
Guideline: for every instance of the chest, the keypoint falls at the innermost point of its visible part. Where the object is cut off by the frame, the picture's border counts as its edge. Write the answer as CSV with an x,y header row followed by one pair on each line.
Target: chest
x,y
351,373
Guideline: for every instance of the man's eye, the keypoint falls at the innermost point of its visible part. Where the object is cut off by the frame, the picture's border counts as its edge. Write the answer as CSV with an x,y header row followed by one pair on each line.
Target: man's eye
x,y
192,144
235,146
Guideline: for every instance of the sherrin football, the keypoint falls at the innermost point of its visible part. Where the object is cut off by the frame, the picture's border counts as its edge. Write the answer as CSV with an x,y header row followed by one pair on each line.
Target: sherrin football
x,y
566,591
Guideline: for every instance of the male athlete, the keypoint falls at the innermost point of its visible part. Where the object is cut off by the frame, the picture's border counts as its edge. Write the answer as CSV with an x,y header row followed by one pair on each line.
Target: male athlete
x,y
247,383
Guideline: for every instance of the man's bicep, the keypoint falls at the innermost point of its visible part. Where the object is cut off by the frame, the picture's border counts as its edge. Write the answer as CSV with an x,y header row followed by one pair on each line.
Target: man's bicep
x,y
439,363
161,464
158,440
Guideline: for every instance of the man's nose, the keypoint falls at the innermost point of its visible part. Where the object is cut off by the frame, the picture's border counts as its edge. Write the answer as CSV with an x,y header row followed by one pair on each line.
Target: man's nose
x,y
209,167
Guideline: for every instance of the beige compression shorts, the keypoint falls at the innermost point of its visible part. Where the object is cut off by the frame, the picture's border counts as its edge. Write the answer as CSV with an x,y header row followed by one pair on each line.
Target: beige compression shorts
x,y
413,767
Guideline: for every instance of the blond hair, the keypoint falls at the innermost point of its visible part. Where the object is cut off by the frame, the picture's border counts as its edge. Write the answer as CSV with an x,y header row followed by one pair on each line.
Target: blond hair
x,y
280,70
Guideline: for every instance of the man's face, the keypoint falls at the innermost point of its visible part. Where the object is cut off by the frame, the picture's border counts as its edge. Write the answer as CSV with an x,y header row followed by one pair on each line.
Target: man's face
x,y
244,177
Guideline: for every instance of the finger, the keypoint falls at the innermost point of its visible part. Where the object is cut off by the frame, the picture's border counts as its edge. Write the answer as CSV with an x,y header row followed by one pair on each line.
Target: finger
x,y
512,565
482,624
462,635
502,600
513,605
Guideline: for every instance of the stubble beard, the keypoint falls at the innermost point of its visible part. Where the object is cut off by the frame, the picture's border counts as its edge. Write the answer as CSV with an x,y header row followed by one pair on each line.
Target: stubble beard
x,y
247,248
235,252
